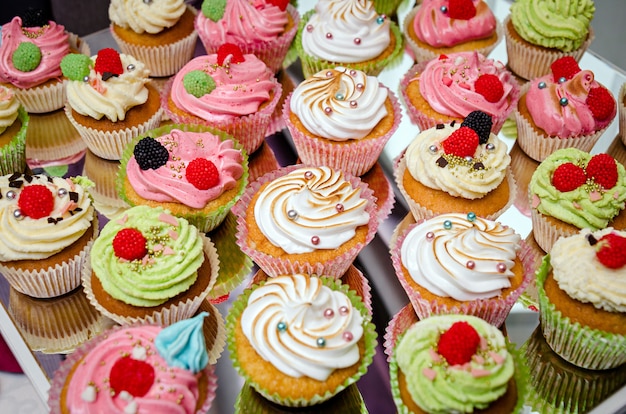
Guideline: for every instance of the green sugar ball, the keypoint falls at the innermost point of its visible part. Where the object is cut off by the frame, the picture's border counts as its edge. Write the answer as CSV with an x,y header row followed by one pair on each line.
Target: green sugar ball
x,y
198,83
76,66
214,9
26,57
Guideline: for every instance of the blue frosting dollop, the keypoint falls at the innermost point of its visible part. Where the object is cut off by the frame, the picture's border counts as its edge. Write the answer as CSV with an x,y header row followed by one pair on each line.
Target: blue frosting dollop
x,y
182,344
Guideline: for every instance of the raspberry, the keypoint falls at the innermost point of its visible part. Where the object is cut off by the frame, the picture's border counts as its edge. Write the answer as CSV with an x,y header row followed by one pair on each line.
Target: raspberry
x,y
443,57
565,67
108,61
568,177
129,244
462,142
601,103
603,169
202,174
459,343
461,9
150,154
131,375
229,49
281,4
36,201
490,87
611,250
481,123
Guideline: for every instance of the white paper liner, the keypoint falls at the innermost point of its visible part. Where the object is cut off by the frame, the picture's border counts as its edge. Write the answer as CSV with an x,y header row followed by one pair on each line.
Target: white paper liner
x,y
52,137
546,233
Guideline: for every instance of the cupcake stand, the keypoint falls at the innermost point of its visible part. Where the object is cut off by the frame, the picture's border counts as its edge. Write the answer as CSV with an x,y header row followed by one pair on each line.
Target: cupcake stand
x,y
39,355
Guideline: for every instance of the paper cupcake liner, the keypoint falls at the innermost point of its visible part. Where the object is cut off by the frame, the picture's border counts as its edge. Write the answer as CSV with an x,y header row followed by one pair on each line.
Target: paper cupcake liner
x,y
271,53
159,315
311,65
532,62
388,7
66,368
104,193
355,156
617,150
529,298
165,59
420,212
377,180
369,335
398,323
580,345
214,329
621,112
493,310
205,221
53,281
277,124
249,130
261,162
274,266
51,137
13,154
545,232
523,167
422,54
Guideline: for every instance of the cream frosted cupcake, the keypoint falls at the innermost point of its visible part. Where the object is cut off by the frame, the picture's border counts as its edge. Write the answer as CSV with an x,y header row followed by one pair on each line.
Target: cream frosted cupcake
x,y
581,301
341,118
299,340
48,227
14,122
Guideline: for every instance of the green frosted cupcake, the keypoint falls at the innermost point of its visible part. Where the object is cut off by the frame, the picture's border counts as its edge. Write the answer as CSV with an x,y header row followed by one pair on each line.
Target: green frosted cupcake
x,y
13,126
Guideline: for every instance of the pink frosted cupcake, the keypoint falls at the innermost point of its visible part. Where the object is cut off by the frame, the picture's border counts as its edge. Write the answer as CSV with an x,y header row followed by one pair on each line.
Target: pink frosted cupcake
x,y
228,90
283,233
264,28
457,263
341,118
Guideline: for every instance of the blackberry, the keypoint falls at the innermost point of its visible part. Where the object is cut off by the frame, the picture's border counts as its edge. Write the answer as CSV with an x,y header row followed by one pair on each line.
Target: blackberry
x,y
481,123
35,18
149,153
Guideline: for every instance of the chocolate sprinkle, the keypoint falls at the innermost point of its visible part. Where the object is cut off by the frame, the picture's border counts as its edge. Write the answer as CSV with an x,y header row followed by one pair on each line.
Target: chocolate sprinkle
x,y
28,178
16,184
592,240
440,126
15,176
53,220
453,122
73,196
479,166
442,162
108,75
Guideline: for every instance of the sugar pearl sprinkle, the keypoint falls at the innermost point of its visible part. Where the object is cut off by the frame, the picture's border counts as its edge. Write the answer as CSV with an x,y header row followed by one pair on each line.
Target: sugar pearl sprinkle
x,y
315,240
501,267
542,85
281,326
329,313
321,342
339,207
343,310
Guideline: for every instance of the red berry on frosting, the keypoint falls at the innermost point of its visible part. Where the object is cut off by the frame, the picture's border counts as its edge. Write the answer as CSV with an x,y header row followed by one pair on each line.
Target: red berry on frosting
x,y
131,375
611,250
565,67
229,49
603,169
36,201
202,174
281,4
490,87
129,244
461,9
108,60
443,57
459,343
568,177
601,103
462,142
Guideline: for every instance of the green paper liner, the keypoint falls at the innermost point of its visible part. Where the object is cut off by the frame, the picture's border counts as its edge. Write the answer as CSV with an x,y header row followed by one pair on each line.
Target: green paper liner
x,y
388,7
369,335
13,155
580,345
204,221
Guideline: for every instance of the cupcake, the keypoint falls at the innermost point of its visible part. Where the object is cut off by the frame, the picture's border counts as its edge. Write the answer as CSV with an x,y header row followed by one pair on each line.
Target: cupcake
x,y
137,369
569,108
448,88
305,219
298,340
48,227
264,28
456,263
341,118
110,100
347,33
455,363
456,168
159,34
228,90
571,190
103,173
195,172
13,127
150,266
30,56
582,310
437,27
538,33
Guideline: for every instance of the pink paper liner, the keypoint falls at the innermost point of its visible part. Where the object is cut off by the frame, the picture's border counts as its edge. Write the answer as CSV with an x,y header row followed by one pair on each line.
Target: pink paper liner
x,y
249,130
272,53
274,266
425,122
621,112
384,205
277,124
354,157
62,373
261,162
399,323
522,166
530,63
492,310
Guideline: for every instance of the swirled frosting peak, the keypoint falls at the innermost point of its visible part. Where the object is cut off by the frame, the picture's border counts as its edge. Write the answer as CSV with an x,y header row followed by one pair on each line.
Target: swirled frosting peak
x,y
461,256
8,108
303,327
340,104
346,31
182,344
310,208
146,16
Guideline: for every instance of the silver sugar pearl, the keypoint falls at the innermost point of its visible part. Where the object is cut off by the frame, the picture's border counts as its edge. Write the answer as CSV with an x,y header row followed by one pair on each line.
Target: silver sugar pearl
x,y
130,67
490,146
86,79
62,192
292,214
11,195
17,214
